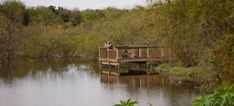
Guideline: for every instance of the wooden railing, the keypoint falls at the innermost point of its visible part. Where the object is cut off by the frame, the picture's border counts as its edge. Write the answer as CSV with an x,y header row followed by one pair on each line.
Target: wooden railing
x,y
102,52
112,54
157,53
107,55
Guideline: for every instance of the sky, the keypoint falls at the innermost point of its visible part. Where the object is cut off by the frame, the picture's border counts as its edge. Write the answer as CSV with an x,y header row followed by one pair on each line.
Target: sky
x,y
86,4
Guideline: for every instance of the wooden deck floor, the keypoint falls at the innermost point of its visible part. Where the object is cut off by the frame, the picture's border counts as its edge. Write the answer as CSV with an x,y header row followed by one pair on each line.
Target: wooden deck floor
x,y
128,60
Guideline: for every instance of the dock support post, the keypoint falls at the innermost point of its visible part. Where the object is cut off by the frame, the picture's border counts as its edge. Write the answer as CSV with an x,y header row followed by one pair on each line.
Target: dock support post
x,y
109,67
149,67
129,66
118,66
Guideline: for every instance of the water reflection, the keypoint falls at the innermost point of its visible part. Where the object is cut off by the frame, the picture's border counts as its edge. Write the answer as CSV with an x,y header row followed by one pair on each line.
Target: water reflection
x,y
155,88
29,67
78,83
134,82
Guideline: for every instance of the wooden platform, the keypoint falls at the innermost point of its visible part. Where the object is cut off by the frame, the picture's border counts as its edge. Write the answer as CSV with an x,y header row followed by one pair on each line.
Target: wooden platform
x,y
127,55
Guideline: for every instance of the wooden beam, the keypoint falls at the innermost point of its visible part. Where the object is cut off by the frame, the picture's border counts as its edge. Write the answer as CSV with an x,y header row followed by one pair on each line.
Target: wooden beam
x,y
140,52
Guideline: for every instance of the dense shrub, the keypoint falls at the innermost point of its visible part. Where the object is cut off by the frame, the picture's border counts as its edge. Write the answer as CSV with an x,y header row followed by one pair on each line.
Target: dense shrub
x,y
222,96
126,103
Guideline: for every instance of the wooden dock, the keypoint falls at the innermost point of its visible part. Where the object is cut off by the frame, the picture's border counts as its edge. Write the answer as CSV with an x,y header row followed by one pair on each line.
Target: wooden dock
x,y
133,56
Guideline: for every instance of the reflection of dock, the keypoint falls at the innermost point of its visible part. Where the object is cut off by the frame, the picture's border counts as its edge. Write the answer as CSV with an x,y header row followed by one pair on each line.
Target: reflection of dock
x,y
130,72
140,58
133,81
109,79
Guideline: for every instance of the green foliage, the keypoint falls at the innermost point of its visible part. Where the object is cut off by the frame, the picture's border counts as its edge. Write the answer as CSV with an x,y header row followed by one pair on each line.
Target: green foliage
x,y
224,52
222,96
13,10
64,14
58,32
92,15
84,44
26,18
197,31
126,103
75,17
186,73
11,19
48,42
163,68
43,16
53,9
192,27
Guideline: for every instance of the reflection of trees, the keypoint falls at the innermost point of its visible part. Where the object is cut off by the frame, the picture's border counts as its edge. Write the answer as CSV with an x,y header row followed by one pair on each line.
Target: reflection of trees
x,y
181,94
21,68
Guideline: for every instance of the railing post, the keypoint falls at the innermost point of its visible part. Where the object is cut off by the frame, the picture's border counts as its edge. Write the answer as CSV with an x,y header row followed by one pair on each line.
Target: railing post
x,y
117,53
140,54
108,54
147,52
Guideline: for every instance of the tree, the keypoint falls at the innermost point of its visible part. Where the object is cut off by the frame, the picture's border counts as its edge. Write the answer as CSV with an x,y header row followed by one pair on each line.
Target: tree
x,y
75,17
9,36
14,11
64,13
53,9
26,18
43,16
12,17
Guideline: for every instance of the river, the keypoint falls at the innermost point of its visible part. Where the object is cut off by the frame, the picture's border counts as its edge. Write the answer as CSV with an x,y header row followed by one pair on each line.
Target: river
x,y
79,83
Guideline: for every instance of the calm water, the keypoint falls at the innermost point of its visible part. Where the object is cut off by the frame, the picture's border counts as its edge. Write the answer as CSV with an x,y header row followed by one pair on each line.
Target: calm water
x,y
76,83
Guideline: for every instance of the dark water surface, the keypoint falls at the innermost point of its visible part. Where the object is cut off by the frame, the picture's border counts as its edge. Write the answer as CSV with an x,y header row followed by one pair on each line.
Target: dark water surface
x,y
78,83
